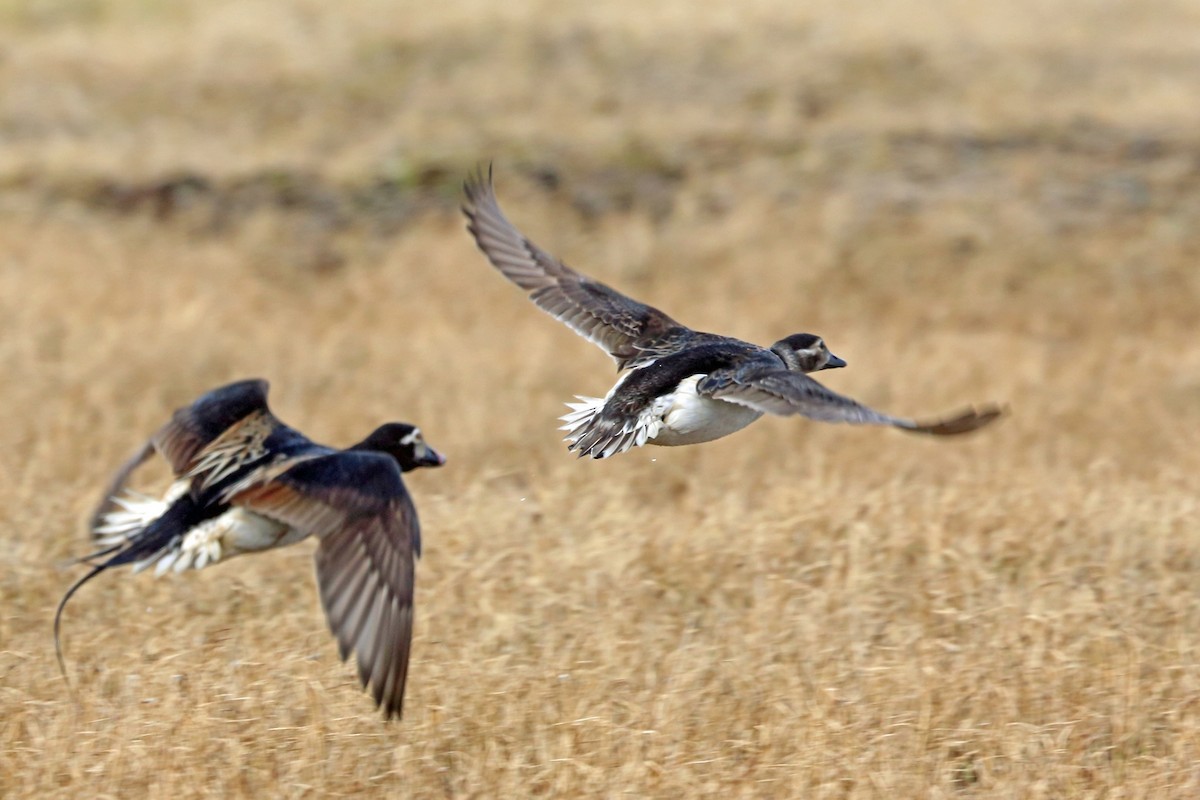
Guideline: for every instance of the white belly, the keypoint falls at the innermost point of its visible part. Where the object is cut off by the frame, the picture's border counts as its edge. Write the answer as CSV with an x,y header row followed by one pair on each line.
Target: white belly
x,y
244,531
691,419
235,532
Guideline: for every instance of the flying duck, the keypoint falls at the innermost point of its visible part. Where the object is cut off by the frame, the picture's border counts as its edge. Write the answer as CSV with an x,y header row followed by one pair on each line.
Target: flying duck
x,y
244,483
679,386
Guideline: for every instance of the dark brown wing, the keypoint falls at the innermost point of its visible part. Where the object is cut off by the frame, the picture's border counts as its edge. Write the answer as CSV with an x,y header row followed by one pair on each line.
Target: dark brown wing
x,y
633,333
191,429
195,427
356,504
782,392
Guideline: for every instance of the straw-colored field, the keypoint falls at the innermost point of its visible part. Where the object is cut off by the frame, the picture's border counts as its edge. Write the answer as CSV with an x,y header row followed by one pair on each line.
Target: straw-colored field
x,y
971,202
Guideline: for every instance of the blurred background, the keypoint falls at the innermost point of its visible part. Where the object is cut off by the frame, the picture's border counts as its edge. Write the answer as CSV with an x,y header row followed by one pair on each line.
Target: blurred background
x,y
969,202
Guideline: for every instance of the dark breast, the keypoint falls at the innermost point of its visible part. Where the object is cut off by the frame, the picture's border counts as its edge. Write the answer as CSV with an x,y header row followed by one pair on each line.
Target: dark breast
x,y
646,383
288,442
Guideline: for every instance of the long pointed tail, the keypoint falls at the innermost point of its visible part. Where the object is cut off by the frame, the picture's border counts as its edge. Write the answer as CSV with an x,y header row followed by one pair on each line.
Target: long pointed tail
x,y
153,538
96,570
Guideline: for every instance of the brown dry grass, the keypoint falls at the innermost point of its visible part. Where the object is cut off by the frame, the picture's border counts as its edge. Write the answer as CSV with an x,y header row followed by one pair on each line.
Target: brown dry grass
x,y
969,202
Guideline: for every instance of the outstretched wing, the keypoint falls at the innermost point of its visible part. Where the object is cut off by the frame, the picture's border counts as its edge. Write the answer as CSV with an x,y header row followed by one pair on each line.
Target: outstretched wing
x,y
356,504
190,430
782,392
633,333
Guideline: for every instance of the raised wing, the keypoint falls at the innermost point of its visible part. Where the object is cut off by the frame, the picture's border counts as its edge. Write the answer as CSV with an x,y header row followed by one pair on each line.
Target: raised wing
x,y
193,428
356,504
782,392
633,333
190,430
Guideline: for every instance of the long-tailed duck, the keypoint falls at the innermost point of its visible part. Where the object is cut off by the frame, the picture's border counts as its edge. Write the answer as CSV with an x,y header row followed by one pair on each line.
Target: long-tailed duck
x,y
679,386
244,483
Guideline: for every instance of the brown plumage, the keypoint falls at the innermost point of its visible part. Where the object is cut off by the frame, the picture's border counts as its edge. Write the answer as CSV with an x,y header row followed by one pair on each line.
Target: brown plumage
x,y
245,482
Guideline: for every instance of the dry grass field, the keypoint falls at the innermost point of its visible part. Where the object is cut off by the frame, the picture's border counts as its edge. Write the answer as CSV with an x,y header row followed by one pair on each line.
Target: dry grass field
x,y
971,202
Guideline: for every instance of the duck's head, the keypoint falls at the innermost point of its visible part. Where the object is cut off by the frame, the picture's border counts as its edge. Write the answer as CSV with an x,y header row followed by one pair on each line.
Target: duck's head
x,y
404,443
806,352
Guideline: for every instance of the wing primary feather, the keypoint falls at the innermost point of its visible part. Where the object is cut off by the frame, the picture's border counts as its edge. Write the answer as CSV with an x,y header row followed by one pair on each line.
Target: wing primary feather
x,y
629,331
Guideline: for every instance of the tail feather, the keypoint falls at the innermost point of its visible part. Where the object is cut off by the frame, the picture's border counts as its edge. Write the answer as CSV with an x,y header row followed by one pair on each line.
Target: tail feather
x,y
580,417
139,547
175,520
62,666
591,434
132,513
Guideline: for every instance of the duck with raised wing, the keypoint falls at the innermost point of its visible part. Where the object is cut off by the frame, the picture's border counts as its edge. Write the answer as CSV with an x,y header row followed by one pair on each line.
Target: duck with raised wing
x,y
679,386
244,483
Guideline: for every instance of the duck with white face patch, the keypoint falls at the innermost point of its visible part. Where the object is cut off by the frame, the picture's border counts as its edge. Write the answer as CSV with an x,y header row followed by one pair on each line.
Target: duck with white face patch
x,y
245,483
681,386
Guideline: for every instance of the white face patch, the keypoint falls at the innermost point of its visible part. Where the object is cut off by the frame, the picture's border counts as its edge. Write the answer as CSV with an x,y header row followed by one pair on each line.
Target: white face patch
x,y
413,437
809,353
